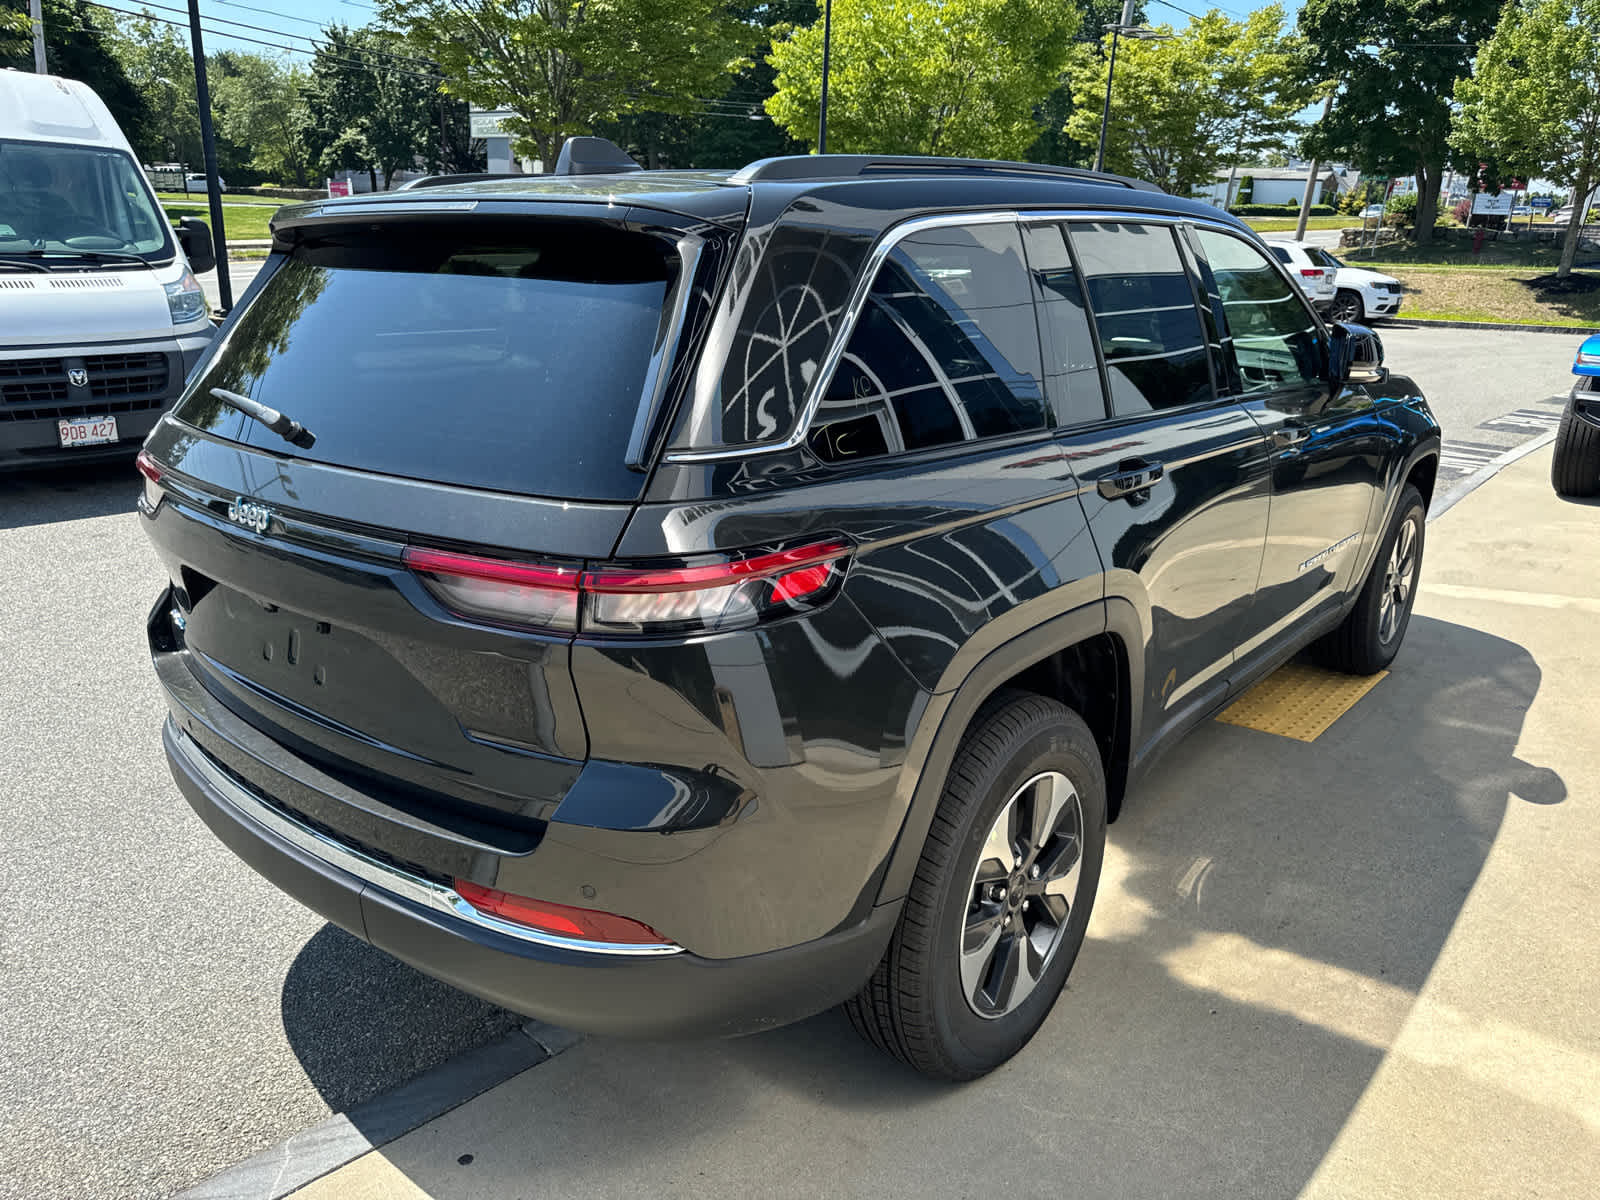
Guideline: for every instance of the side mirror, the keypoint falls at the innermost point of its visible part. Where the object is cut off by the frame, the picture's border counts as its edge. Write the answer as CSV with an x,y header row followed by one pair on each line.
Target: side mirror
x,y
194,235
1355,353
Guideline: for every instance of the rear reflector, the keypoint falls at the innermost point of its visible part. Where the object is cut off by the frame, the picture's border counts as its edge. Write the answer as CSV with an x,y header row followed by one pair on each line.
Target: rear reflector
x,y
562,920
729,594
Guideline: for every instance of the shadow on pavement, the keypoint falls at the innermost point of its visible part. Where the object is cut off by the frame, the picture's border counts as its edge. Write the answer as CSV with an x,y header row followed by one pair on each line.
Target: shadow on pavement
x,y
1268,913
41,497
361,1022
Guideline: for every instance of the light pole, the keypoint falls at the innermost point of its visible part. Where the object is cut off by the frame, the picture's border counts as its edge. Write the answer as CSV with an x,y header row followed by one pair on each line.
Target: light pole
x,y
827,45
1123,28
208,146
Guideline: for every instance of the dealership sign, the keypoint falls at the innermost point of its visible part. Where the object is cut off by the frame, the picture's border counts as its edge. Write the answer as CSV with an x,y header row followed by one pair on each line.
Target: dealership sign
x,y
1485,205
487,124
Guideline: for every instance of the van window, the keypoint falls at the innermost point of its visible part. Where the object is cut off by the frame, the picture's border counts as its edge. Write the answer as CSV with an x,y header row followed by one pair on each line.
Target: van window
x,y
1270,333
946,350
511,357
1144,308
71,200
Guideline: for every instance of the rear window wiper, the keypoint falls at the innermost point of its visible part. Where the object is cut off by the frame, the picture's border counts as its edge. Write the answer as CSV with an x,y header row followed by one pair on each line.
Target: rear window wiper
x,y
285,427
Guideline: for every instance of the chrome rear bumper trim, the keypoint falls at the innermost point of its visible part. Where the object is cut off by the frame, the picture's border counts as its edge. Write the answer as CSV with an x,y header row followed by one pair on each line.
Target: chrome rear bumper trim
x,y
378,874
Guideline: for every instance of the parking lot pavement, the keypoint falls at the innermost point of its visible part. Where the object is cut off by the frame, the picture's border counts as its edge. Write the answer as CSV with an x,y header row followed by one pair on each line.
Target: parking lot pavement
x,y
240,273
163,1011
1365,966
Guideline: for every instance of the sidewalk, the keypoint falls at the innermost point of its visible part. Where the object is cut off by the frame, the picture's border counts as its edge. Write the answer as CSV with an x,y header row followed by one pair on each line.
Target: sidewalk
x,y
1364,966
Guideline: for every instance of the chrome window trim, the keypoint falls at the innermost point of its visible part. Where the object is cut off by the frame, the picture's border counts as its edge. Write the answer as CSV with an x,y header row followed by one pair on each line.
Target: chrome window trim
x,y
381,875
891,238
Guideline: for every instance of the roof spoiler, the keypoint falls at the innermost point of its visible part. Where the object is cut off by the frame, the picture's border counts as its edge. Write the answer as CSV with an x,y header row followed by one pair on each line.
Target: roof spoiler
x,y
593,156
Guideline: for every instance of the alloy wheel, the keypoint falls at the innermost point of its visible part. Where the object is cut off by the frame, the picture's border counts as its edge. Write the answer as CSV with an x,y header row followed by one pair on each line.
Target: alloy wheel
x,y
1398,581
1023,890
1347,307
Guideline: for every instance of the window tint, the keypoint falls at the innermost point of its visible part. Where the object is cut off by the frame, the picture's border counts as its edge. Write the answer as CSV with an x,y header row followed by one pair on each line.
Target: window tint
x,y
1144,309
1281,254
1274,339
1322,258
1071,369
946,350
515,362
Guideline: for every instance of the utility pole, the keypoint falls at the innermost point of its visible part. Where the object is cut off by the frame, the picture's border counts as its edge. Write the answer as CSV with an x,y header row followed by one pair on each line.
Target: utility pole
x,y
208,142
1311,183
827,46
1111,70
36,13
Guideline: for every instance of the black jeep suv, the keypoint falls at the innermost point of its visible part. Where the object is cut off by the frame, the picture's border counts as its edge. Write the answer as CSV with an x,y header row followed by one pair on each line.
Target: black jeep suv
x,y
675,603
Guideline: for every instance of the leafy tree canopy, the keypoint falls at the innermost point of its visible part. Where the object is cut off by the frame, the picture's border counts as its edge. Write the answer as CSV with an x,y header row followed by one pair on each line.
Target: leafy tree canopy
x,y
956,77
77,45
371,104
1533,99
1218,93
562,66
1395,63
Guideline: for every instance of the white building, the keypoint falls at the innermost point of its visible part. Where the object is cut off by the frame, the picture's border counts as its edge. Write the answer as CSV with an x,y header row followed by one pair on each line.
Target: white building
x,y
1275,185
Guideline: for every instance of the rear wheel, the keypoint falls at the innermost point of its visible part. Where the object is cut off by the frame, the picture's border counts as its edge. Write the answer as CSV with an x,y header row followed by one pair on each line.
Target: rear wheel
x,y
1347,307
1001,898
1575,470
1370,636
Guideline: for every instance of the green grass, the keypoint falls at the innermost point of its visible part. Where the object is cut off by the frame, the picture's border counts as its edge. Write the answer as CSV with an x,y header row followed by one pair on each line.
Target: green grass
x,y
1457,252
1278,224
241,223
1498,295
227,199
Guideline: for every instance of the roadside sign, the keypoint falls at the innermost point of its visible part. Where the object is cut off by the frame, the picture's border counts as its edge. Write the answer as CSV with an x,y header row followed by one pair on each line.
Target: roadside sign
x,y
339,187
1485,205
1542,202
487,124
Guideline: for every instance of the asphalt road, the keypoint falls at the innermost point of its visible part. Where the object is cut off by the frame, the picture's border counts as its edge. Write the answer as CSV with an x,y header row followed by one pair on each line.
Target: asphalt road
x,y
163,1011
240,273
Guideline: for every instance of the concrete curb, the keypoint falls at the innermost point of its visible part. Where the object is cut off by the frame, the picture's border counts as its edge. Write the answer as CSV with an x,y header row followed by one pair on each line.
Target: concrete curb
x,y
1418,323
345,1137
1485,473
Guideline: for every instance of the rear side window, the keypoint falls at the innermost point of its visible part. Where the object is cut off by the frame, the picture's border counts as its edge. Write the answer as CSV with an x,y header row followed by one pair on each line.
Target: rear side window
x,y
946,350
1281,254
1072,374
484,355
1144,309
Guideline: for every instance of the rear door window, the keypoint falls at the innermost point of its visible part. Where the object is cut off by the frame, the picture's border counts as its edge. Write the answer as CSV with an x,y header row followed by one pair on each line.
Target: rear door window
x,y
504,357
946,350
1144,308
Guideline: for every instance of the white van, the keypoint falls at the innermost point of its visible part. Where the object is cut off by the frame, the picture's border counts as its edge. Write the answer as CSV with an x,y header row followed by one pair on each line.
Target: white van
x,y
100,313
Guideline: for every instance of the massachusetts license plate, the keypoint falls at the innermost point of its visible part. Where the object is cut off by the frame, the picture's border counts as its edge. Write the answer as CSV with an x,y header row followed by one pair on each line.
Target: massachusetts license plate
x,y
88,431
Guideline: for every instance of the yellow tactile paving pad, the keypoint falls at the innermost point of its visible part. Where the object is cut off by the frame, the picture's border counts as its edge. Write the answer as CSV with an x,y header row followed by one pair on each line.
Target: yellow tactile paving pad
x,y
1298,701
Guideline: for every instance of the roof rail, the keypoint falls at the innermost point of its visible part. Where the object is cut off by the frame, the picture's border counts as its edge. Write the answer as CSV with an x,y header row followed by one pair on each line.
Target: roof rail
x,y
796,168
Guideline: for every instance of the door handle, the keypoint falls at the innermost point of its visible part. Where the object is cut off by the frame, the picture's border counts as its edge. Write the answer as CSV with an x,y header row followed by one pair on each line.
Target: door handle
x,y
1132,480
1285,436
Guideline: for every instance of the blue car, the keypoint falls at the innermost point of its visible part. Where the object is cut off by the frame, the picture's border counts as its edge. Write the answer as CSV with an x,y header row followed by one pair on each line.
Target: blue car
x,y
1576,469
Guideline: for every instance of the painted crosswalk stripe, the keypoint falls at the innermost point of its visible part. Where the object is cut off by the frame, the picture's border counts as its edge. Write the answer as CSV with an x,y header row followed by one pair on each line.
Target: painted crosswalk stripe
x,y
1523,420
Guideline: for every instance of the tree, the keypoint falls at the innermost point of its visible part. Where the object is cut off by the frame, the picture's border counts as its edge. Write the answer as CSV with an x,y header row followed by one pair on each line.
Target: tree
x,y
1395,63
78,44
562,66
1219,93
369,105
258,108
957,77
158,64
1533,100
1053,113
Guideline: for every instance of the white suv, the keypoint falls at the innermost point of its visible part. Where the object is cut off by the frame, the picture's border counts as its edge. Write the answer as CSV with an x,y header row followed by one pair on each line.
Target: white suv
x,y
1352,293
1315,279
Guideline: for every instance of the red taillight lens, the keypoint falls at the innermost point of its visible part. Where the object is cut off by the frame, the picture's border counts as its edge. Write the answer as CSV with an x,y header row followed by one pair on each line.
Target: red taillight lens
x,y
496,589
152,478
725,595
563,920
1311,272
730,594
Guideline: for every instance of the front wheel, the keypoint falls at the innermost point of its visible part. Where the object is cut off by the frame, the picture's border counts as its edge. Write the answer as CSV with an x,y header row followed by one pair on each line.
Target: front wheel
x,y
1370,636
1001,898
1575,469
1348,308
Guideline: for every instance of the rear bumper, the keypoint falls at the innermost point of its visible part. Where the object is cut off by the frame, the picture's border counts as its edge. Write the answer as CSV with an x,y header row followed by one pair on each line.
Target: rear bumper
x,y
656,994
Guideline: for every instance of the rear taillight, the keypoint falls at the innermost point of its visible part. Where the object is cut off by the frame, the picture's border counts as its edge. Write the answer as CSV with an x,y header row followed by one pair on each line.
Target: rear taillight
x,y
562,920
152,478
1312,272
731,593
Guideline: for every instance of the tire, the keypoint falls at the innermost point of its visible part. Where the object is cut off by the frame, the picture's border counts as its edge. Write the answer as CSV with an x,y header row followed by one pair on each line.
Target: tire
x,y
1348,307
1575,469
1370,635
950,950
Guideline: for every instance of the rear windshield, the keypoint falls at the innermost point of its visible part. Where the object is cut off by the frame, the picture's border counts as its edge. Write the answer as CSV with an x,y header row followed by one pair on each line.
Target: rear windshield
x,y
511,358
